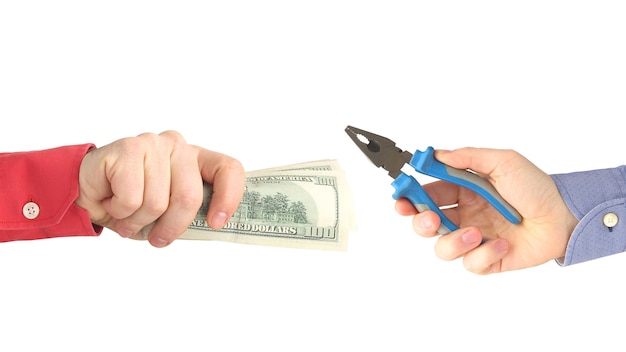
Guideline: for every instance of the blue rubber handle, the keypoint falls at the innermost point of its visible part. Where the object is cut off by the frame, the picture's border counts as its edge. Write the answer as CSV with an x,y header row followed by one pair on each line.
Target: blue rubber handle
x,y
407,187
425,163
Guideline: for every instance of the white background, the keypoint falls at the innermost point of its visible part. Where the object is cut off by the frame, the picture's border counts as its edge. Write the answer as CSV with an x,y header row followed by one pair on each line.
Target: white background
x,y
276,82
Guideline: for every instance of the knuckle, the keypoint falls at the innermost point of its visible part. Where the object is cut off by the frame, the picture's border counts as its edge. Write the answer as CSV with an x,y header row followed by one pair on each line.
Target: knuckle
x,y
187,200
146,138
232,165
128,144
135,147
128,206
155,208
147,135
173,135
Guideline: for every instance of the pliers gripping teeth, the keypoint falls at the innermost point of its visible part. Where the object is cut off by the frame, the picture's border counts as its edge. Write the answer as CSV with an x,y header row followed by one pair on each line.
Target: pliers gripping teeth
x,y
380,150
383,153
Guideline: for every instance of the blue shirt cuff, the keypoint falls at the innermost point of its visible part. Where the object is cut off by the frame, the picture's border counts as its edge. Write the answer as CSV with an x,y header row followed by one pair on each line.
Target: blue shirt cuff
x,y
594,197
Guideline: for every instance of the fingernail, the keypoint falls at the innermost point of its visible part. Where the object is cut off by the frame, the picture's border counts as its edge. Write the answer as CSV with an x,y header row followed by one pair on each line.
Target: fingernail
x,y
502,245
219,219
158,242
470,237
125,233
425,222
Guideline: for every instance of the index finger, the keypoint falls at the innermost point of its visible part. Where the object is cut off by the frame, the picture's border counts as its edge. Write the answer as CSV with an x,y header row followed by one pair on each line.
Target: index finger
x,y
485,161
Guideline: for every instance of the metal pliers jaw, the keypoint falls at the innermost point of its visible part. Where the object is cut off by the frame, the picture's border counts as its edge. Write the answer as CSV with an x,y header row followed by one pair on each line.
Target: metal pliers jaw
x,y
380,150
384,153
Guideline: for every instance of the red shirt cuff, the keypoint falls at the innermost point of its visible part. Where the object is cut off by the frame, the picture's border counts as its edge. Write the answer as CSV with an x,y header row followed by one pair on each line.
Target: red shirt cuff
x,y
38,190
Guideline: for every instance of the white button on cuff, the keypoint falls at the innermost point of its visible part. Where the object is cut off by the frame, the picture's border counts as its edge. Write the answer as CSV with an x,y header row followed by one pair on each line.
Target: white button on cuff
x,y
610,220
30,210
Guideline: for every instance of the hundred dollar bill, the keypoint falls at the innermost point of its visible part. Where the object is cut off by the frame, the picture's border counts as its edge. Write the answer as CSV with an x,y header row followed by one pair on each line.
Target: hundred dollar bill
x,y
306,205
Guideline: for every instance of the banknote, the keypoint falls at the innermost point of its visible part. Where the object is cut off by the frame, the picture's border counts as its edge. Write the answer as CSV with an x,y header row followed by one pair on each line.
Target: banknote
x,y
305,205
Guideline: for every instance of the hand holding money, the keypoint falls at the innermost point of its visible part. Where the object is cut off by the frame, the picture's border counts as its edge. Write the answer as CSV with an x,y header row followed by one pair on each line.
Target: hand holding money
x,y
306,205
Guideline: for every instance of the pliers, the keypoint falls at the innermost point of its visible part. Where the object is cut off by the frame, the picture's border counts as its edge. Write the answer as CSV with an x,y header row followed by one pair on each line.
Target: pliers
x,y
384,153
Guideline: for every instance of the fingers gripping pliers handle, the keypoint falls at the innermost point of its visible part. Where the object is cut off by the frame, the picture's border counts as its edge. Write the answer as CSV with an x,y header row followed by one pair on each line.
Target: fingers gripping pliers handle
x,y
383,153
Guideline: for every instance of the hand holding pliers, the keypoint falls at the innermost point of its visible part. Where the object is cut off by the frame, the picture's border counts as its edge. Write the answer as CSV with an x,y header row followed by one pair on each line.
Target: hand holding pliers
x,y
384,153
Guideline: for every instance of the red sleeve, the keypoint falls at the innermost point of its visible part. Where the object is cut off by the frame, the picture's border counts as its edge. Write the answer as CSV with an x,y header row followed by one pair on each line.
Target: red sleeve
x,y
37,194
